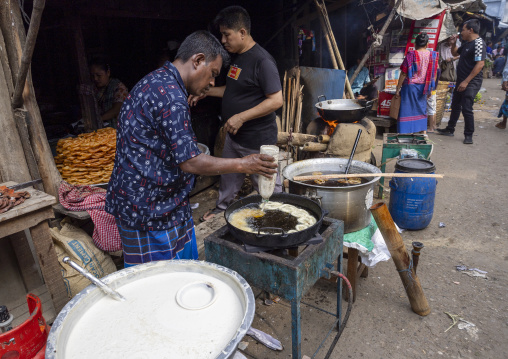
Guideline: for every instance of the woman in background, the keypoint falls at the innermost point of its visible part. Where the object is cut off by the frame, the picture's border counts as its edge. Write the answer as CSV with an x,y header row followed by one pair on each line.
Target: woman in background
x,y
109,92
416,82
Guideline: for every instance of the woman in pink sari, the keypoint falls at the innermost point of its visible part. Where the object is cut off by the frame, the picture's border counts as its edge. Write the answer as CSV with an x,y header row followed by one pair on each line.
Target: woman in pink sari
x,y
417,80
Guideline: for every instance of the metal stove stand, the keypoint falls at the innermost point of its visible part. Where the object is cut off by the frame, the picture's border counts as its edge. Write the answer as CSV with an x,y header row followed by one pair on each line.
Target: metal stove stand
x,y
284,275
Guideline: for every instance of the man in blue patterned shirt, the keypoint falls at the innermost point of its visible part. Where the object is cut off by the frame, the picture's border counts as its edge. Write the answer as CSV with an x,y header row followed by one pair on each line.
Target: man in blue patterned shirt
x,y
157,156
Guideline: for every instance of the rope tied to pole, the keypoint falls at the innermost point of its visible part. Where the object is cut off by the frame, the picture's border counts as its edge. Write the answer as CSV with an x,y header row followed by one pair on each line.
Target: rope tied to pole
x,y
409,271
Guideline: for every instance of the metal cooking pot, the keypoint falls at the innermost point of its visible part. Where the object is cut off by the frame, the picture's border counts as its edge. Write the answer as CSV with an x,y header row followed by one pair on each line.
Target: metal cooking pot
x,y
343,110
279,239
168,291
350,204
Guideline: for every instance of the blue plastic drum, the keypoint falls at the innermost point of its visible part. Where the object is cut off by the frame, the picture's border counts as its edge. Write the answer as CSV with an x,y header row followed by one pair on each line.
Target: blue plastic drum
x,y
412,198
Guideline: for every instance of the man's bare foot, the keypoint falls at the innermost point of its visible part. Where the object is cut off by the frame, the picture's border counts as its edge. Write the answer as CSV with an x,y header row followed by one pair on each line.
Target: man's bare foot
x,y
501,125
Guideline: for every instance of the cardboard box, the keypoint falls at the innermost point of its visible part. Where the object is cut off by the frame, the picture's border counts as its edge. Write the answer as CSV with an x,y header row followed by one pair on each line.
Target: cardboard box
x,y
391,78
384,102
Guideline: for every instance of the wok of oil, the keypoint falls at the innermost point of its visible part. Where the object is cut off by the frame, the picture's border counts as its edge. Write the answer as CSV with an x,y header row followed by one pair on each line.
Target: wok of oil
x,y
275,219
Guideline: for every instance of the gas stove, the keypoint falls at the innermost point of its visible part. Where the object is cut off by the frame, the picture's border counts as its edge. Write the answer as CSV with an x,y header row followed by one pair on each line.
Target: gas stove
x,y
288,273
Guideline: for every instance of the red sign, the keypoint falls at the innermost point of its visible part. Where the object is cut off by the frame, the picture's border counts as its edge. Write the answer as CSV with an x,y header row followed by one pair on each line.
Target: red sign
x,y
384,102
432,26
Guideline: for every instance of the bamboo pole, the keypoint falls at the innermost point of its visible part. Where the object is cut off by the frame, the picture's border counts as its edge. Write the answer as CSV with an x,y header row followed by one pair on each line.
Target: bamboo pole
x,y
328,28
298,119
298,139
323,138
315,147
364,175
401,259
284,104
329,44
28,50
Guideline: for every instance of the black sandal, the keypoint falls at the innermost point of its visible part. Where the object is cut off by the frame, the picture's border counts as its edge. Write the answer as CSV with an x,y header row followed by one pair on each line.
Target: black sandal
x,y
213,211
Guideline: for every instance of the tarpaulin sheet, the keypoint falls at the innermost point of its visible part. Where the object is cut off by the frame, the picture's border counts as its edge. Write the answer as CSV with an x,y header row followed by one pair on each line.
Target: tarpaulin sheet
x,y
422,9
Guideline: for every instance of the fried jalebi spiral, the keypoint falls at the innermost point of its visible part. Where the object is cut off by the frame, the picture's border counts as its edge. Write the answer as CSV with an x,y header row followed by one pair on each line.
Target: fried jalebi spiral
x,y
88,158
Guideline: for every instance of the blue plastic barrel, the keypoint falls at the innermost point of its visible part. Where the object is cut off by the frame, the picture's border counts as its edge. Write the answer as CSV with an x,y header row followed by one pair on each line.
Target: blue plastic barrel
x,y
412,198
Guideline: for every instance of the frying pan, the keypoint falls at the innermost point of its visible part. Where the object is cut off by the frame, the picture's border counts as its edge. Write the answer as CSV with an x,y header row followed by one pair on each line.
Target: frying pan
x,y
277,238
343,110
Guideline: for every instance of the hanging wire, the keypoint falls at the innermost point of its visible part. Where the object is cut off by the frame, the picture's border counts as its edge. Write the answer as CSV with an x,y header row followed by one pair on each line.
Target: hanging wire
x,y
366,13
26,18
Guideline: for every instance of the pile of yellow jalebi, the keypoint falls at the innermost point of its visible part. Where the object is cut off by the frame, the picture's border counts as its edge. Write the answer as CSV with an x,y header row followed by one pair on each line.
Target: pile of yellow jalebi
x,y
88,158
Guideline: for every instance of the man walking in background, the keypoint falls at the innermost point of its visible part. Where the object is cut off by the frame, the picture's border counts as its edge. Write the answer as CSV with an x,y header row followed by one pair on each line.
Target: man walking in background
x,y
469,79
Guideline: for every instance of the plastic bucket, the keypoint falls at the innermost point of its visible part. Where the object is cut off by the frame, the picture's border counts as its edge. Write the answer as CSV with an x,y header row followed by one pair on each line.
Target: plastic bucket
x,y
412,198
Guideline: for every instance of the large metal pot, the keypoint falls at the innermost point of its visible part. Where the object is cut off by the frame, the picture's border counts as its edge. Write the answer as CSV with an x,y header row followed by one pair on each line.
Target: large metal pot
x,y
277,237
160,317
343,110
350,204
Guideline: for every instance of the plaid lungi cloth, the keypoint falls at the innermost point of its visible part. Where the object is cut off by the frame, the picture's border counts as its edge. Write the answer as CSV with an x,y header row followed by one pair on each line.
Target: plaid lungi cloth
x,y
178,242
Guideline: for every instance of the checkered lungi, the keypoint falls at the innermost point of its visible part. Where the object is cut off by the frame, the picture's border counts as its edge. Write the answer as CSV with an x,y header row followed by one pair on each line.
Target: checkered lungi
x,y
139,247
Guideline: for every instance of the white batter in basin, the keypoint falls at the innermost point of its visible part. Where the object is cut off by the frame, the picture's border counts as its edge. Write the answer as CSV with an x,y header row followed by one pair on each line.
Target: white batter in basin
x,y
174,309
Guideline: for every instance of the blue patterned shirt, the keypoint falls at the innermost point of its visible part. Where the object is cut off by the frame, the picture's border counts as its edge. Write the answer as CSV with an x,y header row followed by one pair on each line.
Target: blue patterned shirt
x,y
147,190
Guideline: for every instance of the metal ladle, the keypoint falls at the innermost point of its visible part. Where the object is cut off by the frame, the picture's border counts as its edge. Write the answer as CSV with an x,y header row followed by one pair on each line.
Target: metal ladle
x,y
103,286
353,151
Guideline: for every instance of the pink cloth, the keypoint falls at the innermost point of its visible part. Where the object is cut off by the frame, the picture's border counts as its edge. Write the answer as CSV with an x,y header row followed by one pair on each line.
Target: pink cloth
x,y
420,76
93,200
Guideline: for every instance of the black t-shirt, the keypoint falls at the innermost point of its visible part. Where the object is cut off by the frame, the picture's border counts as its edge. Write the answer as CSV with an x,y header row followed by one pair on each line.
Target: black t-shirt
x,y
470,53
251,76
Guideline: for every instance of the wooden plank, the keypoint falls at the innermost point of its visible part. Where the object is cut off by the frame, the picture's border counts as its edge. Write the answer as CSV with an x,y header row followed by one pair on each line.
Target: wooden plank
x,y
81,215
25,221
26,262
37,201
50,267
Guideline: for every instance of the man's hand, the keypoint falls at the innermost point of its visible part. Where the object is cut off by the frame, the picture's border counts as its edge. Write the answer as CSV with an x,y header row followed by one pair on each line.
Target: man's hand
x,y
462,86
193,99
449,59
259,164
504,86
233,124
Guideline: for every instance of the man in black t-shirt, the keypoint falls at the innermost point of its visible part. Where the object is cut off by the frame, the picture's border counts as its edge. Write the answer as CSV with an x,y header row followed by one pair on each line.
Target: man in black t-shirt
x,y
469,79
252,94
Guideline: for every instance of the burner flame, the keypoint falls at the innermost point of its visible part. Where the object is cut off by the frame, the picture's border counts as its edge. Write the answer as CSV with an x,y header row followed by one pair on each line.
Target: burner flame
x,y
331,124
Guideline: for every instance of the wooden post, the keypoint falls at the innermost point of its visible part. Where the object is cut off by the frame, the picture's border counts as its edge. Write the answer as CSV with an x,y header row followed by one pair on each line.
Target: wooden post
x,y
4,62
14,35
91,118
20,119
401,259
13,166
26,59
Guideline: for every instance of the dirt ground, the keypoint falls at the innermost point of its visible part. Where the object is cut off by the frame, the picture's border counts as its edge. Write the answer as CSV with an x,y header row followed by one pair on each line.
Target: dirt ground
x,y
471,202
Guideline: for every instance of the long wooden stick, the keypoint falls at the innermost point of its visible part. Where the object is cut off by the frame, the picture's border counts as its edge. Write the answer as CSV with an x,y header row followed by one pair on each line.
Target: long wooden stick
x,y
284,104
354,175
401,259
336,51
